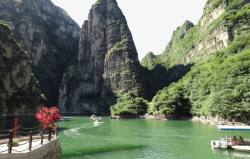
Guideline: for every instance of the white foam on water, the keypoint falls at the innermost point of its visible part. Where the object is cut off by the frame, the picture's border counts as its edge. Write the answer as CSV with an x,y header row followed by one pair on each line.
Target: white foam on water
x,y
95,124
71,131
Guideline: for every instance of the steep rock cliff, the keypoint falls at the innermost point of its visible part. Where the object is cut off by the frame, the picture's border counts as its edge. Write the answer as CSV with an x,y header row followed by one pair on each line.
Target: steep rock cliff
x,y
107,61
19,90
216,28
158,71
156,76
48,34
217,84
220,23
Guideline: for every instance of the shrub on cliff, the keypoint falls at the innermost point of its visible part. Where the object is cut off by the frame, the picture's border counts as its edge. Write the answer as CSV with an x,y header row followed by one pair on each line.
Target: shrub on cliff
x,y
129,103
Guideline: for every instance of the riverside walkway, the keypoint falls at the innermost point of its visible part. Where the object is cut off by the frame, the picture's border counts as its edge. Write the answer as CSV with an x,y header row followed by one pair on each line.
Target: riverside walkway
x,y
28,140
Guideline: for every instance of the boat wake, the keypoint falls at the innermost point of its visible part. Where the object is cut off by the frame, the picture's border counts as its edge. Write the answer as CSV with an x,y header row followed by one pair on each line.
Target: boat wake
x,y
75,131
71,131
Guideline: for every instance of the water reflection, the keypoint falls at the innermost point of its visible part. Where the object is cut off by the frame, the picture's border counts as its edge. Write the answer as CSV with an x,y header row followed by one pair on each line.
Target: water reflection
x,y
230,153
241,154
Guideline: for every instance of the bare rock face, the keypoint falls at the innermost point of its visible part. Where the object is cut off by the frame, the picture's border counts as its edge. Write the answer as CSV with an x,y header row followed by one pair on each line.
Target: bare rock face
x,y
19,90
48,34
107,61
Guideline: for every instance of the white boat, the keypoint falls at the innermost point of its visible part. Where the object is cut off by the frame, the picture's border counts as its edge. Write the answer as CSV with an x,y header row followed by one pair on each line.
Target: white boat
x,y
99,120
93,117
230,143
222,143
241,148
61,119
229,127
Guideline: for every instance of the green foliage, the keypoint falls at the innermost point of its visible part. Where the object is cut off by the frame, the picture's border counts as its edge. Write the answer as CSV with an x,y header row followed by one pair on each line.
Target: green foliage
x,y
234,21
212,5
124,73
97,3
43,97
150,61
183,40
122,46
26,53
218,83
5,24
114,26
150,109
172,101
129,103
216,86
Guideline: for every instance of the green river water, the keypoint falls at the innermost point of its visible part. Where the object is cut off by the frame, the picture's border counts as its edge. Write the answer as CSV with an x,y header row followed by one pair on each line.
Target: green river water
x,y
81,138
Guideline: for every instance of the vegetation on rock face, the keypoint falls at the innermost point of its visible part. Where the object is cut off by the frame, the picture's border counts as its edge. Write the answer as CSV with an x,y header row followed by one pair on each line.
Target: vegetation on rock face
x,y
122,46
19,89
129,103
107,61
5,24
150,61
124,79
216,86
190,44
218,83
48,34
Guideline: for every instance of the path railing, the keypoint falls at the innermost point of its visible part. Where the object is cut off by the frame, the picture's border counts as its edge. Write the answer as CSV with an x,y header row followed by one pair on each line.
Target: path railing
x,y
24,134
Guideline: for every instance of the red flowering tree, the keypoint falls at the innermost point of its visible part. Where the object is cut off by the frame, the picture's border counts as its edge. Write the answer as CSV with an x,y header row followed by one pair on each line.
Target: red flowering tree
x,y
48,117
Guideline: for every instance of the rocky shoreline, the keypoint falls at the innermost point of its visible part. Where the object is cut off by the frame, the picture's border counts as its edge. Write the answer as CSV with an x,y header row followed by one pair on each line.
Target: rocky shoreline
x,y
219,121
205,119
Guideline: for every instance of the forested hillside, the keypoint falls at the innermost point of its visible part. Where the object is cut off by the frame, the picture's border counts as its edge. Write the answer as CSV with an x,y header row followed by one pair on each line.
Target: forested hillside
x,y
219,48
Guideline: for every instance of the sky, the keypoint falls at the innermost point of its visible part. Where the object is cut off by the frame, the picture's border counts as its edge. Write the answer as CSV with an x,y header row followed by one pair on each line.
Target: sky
x,y
151,22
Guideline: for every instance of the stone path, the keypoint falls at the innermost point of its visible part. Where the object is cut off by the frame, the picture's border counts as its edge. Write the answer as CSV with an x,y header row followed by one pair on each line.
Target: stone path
x,y
23,146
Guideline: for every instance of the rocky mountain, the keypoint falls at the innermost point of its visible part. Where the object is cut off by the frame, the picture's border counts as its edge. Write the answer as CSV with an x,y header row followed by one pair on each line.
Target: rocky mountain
x,y
158,71
19,90
215,29
190,44
218,50
48,34
107,62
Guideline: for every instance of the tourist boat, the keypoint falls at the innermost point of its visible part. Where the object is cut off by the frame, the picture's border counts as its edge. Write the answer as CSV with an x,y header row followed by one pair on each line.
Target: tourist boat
x,y
93,116
230,143
61,119
99,120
